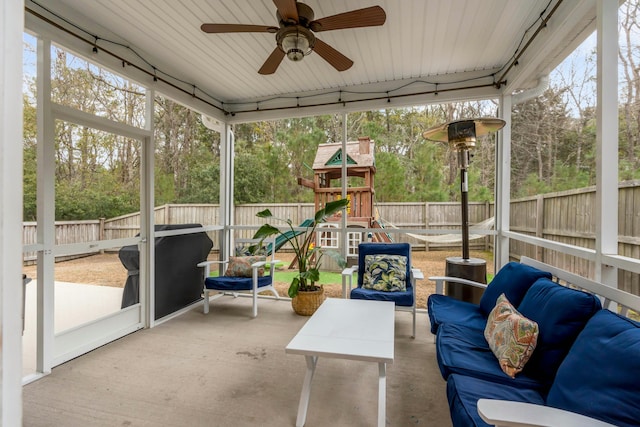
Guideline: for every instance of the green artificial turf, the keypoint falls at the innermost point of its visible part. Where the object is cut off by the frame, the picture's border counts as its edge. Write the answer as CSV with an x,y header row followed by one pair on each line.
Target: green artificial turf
x,y
326,277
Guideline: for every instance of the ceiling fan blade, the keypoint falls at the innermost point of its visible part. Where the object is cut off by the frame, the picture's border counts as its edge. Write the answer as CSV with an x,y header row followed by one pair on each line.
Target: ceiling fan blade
x,y
332,56
273,61
237,28
287,9
367,17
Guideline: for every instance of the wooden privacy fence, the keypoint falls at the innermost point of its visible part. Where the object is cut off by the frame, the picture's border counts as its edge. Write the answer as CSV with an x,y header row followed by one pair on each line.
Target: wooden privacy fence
x,y
567,217
67,232
423,216
413,216
570,217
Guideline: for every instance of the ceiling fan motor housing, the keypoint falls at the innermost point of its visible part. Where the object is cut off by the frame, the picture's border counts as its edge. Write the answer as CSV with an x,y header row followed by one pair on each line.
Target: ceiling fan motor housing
x,y
295,38
305,16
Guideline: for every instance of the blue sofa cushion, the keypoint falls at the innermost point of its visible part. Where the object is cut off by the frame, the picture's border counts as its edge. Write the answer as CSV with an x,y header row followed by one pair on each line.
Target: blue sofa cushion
x,y
465,351
445,309
600,377
463,393
561,314
225,283
513,280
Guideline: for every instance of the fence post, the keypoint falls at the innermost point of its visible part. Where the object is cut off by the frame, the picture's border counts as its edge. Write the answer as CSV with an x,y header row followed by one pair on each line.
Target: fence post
x,y
487,212
101,232
426,224
539,225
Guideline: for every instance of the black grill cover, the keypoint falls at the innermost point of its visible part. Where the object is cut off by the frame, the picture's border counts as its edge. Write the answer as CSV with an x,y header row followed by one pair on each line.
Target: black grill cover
x,y
178,282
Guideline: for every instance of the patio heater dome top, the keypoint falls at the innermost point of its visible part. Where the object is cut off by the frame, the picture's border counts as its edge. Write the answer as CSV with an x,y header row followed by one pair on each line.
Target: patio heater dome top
x,y
463,133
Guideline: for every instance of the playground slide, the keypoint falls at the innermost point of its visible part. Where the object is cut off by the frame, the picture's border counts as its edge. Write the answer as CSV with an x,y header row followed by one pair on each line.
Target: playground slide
x,y
381,237
284,238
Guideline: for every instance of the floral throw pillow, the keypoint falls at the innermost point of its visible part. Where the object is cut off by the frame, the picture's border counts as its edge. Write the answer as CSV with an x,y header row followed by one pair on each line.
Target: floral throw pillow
x,y
387,273
511,336
240,266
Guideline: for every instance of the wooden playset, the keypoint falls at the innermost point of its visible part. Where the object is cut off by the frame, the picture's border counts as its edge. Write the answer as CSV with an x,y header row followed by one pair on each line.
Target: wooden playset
x,y
327,186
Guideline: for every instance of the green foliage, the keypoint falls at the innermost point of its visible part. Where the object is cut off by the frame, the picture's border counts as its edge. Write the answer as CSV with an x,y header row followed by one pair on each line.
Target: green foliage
x,y
204,184
478,192
532,186
275,165
250,177
628,170
97,174
29,207
390,178
568,177
427,173
106,201
164,187
308,256
29,163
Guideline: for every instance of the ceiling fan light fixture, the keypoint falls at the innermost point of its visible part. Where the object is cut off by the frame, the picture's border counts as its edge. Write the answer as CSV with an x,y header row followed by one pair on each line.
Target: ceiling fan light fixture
x,y
296,42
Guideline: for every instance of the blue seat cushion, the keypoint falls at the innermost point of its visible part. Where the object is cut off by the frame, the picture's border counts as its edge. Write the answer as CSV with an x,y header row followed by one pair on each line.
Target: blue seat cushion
x,y
463,393
401,298
224,283
445,309
561,313
513,280
600,377
465,351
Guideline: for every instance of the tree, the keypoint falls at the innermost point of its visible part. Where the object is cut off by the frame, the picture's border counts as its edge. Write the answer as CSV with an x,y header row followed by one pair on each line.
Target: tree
x,y
540,143
97,174
390,178
29,160
629,58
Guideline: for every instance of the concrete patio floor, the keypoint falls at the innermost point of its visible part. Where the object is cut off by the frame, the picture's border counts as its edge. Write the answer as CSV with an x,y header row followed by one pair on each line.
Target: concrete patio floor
x,y
75,304
227,369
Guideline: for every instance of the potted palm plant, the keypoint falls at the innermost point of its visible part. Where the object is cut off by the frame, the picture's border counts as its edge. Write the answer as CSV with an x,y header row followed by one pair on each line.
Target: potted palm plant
x,y
308,255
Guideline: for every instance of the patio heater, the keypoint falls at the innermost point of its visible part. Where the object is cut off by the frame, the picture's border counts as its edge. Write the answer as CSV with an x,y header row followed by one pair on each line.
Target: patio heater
x,y
462,134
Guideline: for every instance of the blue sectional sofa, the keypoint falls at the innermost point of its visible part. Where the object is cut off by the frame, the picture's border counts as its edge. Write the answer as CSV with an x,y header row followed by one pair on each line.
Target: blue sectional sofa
x,y
586,359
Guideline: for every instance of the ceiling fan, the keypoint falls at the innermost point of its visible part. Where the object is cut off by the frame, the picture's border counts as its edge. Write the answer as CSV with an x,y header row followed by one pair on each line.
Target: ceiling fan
x,y
295,36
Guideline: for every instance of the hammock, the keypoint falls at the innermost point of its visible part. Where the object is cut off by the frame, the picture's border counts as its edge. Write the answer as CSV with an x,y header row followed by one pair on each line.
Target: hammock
x,y
487,224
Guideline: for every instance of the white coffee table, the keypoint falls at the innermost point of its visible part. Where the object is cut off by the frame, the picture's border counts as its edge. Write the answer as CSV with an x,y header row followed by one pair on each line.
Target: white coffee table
x,y
346,329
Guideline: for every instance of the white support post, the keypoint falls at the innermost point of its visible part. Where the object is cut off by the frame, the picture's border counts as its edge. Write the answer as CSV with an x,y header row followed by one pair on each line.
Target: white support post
x,y
607,140
11,27
503,185
227,149
45,210
343,174
146,247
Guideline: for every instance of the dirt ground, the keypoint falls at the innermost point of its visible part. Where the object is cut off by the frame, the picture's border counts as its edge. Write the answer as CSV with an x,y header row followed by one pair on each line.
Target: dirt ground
x,y
107,270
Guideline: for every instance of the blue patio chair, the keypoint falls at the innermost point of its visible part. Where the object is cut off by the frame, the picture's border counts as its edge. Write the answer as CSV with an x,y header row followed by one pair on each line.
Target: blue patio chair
x,y
244,273
385,274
